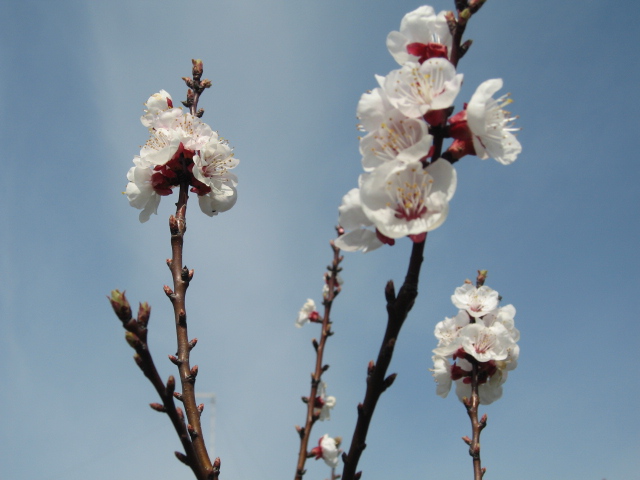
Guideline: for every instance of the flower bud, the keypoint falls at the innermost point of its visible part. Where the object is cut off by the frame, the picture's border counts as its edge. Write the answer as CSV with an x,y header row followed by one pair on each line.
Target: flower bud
x,y
197,67
120,305
144,311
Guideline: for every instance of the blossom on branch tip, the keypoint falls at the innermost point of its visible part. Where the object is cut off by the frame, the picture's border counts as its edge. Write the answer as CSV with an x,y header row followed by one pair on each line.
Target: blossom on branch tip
x,y
328,450
181,150
476,301
307,313
422,35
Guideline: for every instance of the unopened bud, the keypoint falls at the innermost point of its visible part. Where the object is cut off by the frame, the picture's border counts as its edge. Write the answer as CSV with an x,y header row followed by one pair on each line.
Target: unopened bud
x,y
177,395
480,279
193,343
452,23
182,457
188,81
390,292
370,367
357,475
325,368
389,380
120,305
171,384
197,67
304,399
216,463
158,407
466,440
474,5
192,431
206,83
175,360
173,225
315,344
180,413
132,340
167,291
194,371
464,48
338,441
200,112
144,311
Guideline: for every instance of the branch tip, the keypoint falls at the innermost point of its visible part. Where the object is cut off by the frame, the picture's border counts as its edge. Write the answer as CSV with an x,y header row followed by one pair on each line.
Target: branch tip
x,y
182,457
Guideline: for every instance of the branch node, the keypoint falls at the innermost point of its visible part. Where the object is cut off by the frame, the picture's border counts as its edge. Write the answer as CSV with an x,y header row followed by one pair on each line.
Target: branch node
x,y
192,431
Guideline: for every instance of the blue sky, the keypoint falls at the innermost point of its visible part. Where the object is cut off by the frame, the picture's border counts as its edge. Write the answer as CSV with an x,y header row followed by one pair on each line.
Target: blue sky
x,y
557,230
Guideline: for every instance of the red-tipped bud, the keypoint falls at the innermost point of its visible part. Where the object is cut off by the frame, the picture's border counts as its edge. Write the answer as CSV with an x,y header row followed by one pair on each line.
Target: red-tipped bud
x,y
180,413
466,440
483,420
158,407
175,360
120,305
188,81
194,371
216,463
177,395
192,431
193,343
167,291
370,367
201,408
206,83
182,457
452,23
171,384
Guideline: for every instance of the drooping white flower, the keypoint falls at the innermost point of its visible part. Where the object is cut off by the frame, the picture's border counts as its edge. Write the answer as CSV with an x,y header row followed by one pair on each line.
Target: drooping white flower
x,y
491,125
442,375
404,199
476,301
219,200
416,89
397,137
324,402
307,313
355,222
419,30
140,191
373,107
328,450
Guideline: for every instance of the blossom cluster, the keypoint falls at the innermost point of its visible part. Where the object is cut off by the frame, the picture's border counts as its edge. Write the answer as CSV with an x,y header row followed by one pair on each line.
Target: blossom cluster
x,y
403,192
482,333
181,148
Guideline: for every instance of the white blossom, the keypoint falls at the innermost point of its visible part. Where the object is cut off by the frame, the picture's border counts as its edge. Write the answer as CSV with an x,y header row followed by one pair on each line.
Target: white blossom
x,y
306,313
355,222
415,89
476,301
491,125
406,199
421,26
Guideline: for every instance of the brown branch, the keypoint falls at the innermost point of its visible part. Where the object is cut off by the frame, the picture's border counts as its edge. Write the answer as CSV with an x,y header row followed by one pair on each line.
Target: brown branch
x,y
136,336
398,308
476,425
181,279
316,376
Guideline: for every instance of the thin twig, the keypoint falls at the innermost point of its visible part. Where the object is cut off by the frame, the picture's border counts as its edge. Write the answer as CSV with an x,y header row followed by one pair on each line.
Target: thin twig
x,y
333,288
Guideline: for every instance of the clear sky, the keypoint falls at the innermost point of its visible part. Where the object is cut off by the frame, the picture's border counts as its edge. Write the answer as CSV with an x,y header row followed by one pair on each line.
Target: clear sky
x,y
557,230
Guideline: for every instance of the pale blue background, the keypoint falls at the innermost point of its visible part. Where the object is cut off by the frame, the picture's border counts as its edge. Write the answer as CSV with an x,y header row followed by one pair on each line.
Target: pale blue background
x,y
558,231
